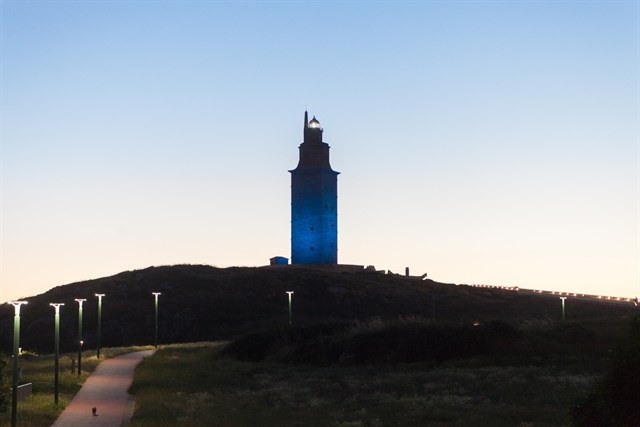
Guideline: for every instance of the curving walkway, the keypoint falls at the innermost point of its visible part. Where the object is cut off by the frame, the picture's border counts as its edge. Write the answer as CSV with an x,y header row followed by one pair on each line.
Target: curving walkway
x,y
106,390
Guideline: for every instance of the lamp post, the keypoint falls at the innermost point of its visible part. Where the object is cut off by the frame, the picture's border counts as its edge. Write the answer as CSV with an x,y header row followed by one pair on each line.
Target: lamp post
x,y
80,301
563,298
56,306
99,324
16,354
155,341
290,316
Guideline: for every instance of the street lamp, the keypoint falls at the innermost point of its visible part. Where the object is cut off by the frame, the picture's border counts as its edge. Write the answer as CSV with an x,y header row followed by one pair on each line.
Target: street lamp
x,y
56,306
99,324
155,341
290,293
80,301
16,353
563,298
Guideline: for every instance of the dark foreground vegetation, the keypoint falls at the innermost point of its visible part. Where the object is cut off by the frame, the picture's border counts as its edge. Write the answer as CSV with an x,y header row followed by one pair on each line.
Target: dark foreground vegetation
x,y
5,391
382,373
413,339
614,401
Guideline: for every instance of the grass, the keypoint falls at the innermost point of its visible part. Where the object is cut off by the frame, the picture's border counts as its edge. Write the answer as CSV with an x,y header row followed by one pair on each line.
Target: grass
x,y
197,385
39,409
299,377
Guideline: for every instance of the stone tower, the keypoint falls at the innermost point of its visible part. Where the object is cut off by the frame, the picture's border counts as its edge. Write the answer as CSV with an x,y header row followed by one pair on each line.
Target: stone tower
x,y
314,201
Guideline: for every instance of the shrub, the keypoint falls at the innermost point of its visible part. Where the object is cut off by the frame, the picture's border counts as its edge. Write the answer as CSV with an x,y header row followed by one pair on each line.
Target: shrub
x,y
406,340
5,391
614,400
297,344
419,340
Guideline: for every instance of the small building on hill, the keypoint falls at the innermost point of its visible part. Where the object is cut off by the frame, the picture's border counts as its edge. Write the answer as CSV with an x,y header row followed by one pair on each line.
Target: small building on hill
x,y
278,260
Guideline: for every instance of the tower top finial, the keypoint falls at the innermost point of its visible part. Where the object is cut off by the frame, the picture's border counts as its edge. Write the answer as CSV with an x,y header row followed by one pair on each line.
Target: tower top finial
x,y
306,119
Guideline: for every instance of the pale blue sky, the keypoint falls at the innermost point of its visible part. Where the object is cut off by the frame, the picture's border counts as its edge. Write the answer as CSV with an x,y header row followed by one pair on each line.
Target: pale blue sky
x,y
480,142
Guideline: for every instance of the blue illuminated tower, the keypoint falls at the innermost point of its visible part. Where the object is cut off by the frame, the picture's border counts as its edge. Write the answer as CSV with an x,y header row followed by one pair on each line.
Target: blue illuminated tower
x,y
314,201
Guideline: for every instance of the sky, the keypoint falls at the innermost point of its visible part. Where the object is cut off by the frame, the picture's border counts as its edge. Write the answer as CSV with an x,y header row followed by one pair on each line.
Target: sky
x,y
480,142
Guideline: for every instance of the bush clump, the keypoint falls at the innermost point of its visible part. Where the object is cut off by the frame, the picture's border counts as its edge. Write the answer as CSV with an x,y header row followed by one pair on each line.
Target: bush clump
x,y
615,401
5,391
406,340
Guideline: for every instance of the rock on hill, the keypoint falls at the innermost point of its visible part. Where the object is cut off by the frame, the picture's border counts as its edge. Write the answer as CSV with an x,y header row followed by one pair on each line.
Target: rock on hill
x,y
201,302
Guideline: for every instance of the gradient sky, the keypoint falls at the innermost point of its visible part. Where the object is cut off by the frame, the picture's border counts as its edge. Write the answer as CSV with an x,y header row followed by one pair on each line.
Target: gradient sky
x,y
479,142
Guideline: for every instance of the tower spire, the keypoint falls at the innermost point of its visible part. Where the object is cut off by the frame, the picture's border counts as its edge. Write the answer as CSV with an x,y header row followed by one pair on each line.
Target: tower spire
x,y
306,119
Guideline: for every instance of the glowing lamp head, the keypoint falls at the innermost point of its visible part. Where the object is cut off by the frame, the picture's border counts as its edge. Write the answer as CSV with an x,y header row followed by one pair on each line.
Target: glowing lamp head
x,y
314,123
56,306
16,305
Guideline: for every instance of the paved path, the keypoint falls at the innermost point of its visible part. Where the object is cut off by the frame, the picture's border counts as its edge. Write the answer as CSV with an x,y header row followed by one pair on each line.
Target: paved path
x,y
105,389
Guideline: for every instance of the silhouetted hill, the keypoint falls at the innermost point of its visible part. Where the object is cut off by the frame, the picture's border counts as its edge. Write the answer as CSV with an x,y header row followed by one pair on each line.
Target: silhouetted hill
x,y
206,303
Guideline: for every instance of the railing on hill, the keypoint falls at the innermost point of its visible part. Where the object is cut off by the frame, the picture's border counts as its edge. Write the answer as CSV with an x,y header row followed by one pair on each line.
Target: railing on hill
x,y
560,293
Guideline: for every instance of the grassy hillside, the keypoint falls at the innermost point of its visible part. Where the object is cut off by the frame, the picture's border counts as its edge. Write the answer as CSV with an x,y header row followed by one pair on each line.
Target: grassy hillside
x,y
201,303
405,372
205,384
